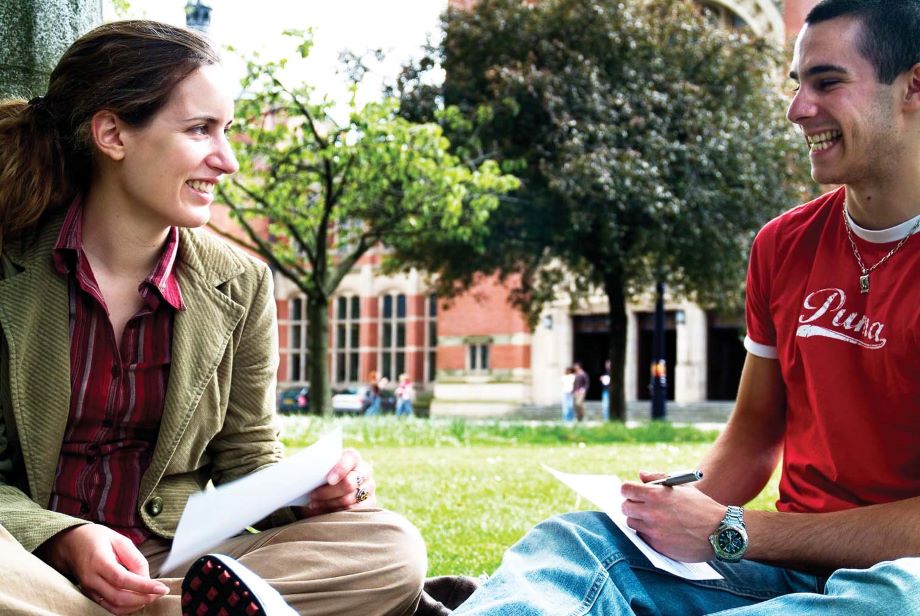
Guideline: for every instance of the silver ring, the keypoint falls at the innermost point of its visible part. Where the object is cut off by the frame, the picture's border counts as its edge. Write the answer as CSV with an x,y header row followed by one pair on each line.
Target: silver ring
x,y
361,495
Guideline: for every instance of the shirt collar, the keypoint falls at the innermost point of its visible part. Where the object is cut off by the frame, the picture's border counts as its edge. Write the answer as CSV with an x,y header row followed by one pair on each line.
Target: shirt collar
x,y
68,256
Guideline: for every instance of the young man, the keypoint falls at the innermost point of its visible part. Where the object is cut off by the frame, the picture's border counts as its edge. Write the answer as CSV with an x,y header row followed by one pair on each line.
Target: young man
x,y
830,382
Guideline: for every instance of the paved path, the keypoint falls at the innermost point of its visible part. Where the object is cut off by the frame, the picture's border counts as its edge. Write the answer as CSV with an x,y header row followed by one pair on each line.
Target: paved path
x,y
712,412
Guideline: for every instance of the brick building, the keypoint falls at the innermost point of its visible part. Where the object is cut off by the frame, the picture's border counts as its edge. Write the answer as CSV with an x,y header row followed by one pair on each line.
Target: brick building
x,y
477,355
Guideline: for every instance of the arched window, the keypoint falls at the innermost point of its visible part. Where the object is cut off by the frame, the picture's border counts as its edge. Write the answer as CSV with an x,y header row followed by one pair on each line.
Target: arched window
x,y
392,336
347,341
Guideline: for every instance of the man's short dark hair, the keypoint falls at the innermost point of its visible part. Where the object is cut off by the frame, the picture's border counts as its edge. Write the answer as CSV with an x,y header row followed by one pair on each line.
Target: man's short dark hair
x,y
890,37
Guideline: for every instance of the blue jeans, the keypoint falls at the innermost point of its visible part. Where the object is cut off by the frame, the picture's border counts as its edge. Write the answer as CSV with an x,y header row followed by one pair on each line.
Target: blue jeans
x,y
605,404
374,408
581,564
568,406
404,407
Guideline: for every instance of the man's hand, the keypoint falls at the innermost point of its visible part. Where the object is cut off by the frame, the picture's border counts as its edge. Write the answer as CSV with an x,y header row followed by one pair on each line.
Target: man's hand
x,y
350,485
675,521
108,567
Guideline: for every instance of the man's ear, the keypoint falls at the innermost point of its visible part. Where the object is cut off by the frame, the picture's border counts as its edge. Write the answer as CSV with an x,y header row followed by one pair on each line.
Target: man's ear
x,y
912,94
107,131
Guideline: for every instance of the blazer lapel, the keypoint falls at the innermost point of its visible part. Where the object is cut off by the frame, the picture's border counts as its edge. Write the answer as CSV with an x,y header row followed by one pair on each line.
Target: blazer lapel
x,y
201,334
35,321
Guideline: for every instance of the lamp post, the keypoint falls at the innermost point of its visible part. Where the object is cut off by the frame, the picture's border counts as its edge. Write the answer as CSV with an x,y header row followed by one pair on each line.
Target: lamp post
x,y
659,373
198,15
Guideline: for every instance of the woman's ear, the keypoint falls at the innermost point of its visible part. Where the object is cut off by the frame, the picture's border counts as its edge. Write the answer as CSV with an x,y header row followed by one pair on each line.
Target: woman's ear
x,y
106,129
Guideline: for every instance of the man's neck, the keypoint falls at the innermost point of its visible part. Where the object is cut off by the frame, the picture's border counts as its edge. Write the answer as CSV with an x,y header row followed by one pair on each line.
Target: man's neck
x,y
875,209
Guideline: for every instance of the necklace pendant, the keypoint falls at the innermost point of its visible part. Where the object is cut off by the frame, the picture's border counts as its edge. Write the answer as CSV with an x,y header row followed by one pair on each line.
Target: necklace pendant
x,y
864,284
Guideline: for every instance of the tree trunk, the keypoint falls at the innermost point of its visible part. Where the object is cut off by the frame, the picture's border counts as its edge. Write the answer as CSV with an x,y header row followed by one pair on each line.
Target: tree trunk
x,y
616,301
318,332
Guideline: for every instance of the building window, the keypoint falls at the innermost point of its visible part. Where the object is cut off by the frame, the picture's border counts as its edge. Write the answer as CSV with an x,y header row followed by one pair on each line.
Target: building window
x,y
431,366
298,352
392,336
347,339
477,357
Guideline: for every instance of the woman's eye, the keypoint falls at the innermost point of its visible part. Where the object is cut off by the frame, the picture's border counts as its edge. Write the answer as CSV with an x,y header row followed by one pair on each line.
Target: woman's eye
x,y
200,129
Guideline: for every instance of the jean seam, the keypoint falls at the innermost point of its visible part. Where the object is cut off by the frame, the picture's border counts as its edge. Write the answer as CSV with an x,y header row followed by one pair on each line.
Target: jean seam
x,y
723,584
600,578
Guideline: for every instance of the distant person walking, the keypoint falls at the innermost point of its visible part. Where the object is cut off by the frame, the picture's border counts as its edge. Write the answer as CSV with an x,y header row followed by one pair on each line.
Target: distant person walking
x,y
605,391
405,395
580,391
568,394
373,384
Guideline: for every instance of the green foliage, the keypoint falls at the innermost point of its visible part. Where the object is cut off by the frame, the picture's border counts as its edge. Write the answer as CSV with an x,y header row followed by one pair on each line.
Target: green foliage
x,y
329,191
122,8
395,432
650,143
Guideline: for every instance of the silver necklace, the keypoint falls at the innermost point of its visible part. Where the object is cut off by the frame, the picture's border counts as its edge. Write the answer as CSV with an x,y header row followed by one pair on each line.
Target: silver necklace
x,y
865,271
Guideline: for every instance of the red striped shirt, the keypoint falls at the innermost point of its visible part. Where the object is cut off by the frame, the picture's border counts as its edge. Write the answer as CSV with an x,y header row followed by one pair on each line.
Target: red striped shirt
x,y
117,390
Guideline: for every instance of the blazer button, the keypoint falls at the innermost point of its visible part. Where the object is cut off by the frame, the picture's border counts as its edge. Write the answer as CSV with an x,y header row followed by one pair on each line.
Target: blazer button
x,y
155,506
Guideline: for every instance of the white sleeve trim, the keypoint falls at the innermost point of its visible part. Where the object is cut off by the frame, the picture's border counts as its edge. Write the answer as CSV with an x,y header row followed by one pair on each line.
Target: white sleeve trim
x,y
760,350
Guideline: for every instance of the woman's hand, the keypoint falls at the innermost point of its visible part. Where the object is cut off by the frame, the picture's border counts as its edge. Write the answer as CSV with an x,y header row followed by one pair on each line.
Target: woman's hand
x,y
350,484
108,567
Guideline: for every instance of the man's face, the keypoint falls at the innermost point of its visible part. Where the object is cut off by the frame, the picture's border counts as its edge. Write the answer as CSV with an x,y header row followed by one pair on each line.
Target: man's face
x,y
848,118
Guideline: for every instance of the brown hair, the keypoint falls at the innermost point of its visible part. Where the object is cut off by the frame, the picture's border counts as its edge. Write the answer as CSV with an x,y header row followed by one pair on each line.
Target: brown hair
x,y
127,67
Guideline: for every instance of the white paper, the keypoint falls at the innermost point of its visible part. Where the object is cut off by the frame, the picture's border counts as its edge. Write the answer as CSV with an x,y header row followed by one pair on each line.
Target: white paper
x,y
212,516
604,491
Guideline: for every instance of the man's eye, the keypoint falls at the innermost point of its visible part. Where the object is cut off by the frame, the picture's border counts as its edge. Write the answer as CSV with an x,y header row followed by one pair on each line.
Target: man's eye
x,y
827,83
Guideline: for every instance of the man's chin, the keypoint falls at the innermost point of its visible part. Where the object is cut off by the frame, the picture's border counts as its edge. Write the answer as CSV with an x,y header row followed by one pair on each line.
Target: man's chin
x,y
826,177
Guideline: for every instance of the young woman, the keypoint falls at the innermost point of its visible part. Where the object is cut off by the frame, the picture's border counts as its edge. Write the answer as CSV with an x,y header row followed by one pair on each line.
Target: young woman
x,y
138,355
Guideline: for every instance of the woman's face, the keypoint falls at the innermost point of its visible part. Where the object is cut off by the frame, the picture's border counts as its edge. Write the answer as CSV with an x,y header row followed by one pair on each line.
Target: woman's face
x,y
172,165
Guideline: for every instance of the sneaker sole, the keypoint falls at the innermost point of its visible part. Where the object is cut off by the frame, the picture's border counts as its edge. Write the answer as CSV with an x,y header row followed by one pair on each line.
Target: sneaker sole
x,y
213,589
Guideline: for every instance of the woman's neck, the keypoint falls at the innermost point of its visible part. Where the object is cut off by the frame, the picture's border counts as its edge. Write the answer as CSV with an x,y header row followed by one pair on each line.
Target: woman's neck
x,y
115,239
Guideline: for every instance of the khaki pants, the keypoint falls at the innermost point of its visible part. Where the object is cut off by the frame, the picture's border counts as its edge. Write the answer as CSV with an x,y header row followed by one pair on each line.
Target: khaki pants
x,y
367,561
579,400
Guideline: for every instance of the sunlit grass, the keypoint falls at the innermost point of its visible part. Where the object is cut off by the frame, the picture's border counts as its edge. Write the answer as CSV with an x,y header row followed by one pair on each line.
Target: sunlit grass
x,y
474,488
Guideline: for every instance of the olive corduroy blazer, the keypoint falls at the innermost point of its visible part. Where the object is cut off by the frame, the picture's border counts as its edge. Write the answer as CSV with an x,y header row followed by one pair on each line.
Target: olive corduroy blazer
x,y
218,419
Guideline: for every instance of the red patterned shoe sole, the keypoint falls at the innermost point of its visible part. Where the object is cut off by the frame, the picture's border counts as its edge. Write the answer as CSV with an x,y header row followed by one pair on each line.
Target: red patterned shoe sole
x,y
212,589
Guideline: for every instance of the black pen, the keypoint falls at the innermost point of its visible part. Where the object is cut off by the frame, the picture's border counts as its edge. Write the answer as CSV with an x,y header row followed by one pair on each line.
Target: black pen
x,y
678,478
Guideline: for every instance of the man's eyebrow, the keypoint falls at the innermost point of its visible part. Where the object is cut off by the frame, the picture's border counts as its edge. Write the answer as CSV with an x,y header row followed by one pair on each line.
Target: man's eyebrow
x,y
819,69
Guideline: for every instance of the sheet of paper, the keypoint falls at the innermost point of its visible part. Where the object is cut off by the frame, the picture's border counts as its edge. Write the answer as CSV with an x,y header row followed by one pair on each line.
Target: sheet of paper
x,y
215,515
604,491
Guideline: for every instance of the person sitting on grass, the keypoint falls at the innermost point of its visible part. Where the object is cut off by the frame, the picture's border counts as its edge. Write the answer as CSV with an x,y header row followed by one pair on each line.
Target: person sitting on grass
x,y
138,356
830,385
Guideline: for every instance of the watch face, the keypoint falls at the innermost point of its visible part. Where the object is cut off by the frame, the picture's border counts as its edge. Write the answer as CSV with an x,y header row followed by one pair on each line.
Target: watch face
x,y
731,541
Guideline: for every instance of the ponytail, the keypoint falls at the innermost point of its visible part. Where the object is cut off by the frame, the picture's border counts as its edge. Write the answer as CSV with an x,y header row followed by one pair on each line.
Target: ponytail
x,y
32,166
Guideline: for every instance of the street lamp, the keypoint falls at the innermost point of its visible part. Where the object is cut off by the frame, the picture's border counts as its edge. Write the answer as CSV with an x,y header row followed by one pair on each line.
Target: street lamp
x,y
197,15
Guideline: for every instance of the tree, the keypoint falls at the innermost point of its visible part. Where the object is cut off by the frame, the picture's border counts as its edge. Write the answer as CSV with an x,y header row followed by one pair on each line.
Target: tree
x,y
650,144
329,192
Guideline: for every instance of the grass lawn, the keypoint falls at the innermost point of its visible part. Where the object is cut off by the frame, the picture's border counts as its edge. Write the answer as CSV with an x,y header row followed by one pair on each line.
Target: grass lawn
x,y
473,489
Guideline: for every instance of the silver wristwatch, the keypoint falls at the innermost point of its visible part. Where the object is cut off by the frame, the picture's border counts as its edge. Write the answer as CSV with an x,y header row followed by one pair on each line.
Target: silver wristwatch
x,y
730,539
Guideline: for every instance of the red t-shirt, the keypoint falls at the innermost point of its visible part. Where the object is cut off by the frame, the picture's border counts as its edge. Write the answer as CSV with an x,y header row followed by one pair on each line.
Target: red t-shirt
x,y
850,361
